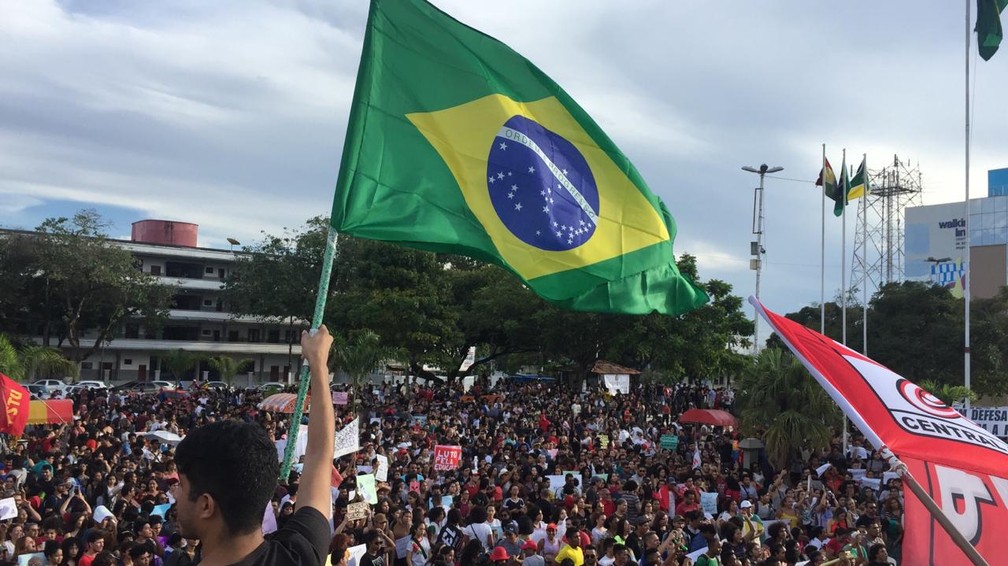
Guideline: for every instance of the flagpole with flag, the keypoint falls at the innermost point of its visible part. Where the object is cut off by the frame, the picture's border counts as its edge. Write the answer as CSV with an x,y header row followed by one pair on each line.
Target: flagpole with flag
x,y
457,144
859,188
826,180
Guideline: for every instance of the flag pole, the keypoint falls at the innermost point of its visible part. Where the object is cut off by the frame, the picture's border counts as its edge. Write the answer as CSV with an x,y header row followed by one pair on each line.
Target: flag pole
x,y
822,250
896,465
864,252
320,302
843,271
966,260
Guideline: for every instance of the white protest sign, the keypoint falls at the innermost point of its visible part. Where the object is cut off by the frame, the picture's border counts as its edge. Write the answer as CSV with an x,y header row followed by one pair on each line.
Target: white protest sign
x,y
8,509
381,474
708,502
347,440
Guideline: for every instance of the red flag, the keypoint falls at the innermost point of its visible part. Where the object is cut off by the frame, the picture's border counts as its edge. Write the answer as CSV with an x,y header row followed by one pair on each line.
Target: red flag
x,y
959,464
15,399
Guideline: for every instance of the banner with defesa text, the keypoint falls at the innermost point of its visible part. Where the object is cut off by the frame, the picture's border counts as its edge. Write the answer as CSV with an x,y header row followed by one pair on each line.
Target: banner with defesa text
x,y
447,457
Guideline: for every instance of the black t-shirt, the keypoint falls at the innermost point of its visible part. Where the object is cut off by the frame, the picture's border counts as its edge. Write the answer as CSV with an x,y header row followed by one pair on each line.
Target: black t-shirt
x,y
303,540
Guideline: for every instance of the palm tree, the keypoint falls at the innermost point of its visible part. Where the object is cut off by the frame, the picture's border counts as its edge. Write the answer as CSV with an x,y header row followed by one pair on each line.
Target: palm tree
x,y
227,367
949,394
781,402
179,362
358,357
31,361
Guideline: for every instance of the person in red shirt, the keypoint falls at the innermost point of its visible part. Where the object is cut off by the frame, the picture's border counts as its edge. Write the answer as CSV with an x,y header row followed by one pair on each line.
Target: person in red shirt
x,y
689,503
94,543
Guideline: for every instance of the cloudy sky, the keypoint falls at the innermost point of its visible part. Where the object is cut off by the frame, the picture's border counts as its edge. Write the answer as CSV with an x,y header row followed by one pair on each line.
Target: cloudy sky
x,y
232,114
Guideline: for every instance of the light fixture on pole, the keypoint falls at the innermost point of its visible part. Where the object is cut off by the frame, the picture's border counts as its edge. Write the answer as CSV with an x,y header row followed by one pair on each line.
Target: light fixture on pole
x,y
756,248
233,243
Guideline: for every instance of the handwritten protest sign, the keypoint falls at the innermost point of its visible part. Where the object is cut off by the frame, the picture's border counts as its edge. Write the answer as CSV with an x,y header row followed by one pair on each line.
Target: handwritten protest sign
x,y
357,511
708,502
347,439
339,398
447,457
669,441
381,472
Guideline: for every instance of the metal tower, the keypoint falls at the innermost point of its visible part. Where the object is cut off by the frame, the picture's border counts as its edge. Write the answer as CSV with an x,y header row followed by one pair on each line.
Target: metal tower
x,y
878,240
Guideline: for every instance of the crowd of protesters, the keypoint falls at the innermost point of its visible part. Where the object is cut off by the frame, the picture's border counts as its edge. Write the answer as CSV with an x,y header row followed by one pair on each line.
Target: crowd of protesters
x,y
100,490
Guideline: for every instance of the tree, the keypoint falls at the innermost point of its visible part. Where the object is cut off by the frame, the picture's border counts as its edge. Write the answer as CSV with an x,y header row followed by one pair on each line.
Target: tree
x,y
401,294
358,356
949,394
989,344
180,362
277,278
916,330
82,283
780,402
30,361
227,367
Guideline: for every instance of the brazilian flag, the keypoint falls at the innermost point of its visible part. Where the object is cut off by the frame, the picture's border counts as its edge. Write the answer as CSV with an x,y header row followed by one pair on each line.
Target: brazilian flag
x,y
457,144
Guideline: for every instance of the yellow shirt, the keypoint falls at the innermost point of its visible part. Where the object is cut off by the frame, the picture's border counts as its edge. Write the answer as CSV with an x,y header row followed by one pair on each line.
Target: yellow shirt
x,y
575,554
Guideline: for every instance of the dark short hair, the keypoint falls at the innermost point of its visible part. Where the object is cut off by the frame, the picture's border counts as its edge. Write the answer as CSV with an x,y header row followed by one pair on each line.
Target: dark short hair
x,y
141,549
236,464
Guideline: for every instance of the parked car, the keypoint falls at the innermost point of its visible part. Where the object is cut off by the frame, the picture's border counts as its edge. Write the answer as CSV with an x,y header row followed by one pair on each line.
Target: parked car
x,y
89,384
164,384
37,391
51,385
221,385
271,387
144,387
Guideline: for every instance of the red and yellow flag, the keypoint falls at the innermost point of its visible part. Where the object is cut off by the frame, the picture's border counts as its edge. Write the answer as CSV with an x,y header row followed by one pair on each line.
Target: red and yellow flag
x,y
15,399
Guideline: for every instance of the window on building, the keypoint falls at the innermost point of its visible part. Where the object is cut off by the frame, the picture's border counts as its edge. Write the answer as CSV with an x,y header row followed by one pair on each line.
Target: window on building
x,y
209,270
273,336
155,270
128,362
253,335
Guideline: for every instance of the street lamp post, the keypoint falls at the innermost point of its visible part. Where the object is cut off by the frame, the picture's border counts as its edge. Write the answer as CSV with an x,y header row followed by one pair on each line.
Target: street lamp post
x,y
756,248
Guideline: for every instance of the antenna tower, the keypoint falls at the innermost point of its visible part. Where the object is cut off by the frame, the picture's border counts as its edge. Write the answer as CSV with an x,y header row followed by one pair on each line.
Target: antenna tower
x,y
878,240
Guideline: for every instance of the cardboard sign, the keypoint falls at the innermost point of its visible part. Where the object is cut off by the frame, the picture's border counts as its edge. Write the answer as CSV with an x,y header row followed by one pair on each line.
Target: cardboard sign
x,y
357,511
447,457
339,397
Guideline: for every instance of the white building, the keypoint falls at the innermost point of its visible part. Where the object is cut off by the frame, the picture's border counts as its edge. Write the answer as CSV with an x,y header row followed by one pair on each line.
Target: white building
x,y
198,321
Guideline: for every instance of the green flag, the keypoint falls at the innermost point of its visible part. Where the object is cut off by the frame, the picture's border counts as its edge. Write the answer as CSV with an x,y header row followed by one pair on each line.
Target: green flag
x,y
457,144
988,26
860,185
842,190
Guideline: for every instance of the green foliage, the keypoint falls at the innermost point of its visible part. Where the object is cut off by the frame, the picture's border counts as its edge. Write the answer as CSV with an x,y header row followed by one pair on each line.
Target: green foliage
x,y
949,394
227,367
30,362
916,330
359,355
278,277
75,281
180,362
779,401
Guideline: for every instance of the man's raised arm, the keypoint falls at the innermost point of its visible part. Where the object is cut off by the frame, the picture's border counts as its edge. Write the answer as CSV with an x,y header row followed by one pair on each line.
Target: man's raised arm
x,y
313,490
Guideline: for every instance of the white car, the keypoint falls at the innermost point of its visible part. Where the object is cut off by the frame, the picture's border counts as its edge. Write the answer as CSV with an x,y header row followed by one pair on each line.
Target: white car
x,y
164,384
52,385
88,384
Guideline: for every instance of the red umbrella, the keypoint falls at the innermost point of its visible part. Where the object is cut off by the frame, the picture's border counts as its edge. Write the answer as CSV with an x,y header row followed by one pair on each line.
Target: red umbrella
x,y
709,416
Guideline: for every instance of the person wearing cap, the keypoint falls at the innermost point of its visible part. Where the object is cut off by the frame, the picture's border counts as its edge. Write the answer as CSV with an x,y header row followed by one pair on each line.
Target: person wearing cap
x,y
499,555
571,549
530,552
752,525
510,542
549,545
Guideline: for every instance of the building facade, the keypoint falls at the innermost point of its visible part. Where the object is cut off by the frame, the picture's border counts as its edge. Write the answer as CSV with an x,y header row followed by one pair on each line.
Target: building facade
x,y
935,241
198,322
